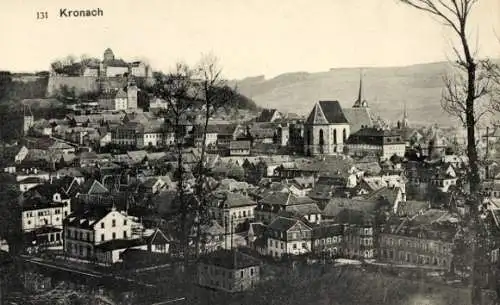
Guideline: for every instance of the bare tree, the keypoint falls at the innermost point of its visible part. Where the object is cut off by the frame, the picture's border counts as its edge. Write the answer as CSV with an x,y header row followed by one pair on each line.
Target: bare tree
x,y
176,88
467,95
215,94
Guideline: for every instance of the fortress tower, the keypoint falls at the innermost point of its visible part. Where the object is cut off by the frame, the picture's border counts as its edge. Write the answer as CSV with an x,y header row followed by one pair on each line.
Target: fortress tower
x,y
132,94
108,55
28,119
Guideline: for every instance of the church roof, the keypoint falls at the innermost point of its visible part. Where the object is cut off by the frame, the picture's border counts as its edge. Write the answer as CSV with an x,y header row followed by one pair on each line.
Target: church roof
x,y
327,112
358,117
266,115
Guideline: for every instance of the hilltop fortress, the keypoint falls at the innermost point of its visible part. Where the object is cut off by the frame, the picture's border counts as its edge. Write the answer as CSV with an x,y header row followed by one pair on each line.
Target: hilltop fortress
x,y
93,76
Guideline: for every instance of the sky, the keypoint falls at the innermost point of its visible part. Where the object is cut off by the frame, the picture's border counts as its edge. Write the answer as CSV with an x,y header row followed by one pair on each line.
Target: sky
x,y
249,37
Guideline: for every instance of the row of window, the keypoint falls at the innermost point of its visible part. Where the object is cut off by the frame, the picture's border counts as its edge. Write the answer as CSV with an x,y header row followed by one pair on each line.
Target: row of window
x,y
86,236
412,258
422,245
113,223
44,222
329,240
44,213
281,245
152,136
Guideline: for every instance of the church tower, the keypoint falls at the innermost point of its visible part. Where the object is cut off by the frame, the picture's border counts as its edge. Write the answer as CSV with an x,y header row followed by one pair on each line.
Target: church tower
x,y
404,122
132,94
360,102
28,119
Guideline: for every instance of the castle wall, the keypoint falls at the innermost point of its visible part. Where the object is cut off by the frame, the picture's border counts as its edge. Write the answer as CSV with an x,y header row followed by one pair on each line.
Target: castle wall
x,y
81,84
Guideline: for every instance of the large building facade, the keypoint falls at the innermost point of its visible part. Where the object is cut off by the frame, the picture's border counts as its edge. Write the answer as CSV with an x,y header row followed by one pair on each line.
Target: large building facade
x,y
326,129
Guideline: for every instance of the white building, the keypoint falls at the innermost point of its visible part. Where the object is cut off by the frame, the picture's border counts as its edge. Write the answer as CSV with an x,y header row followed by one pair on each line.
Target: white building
x,y
86,230
40,212
139,69
326,129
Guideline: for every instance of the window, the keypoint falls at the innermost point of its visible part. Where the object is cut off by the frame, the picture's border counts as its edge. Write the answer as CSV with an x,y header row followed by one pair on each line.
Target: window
x,y
114,235
294,246
102,225
102,237
335,136
125,222
125,234
241,273
251,271
113,223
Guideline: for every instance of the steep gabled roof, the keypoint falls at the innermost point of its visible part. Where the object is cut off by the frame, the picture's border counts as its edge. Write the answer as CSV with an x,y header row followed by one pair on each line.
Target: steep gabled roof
x,y
327,112
230,259
387,193
358,117
336,205
283,224
285,199
93,186
88,217
266,115
158,238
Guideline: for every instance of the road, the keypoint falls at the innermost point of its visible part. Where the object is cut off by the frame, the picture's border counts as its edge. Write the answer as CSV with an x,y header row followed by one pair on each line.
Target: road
x,y
77,269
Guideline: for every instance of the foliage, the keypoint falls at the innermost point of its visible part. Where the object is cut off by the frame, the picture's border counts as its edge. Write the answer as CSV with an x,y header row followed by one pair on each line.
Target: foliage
x,y
236,172
9,209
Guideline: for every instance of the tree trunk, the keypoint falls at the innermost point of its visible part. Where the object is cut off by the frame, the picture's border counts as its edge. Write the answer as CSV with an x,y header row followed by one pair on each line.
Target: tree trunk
x,y
201,172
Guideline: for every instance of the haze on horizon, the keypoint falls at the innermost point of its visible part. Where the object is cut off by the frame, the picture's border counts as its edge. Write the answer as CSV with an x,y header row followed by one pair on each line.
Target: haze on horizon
x,y
252,37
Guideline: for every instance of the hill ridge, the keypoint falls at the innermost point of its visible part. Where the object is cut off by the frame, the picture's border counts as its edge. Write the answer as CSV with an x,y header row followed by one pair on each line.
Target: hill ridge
x,y
386,89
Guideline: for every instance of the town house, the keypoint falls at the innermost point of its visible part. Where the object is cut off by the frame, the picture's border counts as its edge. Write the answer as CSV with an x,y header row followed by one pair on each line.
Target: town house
x,y
380,142
232,210
327,240
239,148
287,236
273,204
84,230
228,270
425,240
44,205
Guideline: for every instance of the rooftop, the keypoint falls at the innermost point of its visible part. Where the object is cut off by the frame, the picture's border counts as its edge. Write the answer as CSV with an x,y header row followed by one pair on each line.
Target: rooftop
x,y
230,259
327,112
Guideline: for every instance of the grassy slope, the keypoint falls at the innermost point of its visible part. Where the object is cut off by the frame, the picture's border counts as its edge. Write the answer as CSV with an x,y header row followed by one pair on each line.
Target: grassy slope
x,y
386,89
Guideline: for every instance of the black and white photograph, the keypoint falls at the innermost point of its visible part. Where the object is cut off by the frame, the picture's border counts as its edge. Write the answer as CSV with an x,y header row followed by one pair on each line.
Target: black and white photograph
x,y
258,152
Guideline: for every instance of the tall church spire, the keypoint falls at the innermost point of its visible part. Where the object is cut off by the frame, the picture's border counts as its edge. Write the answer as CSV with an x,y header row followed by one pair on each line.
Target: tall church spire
x,y
405,116
360,102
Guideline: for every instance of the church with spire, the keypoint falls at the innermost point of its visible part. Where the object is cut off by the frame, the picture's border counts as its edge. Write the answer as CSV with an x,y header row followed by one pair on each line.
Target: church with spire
x,y
359,116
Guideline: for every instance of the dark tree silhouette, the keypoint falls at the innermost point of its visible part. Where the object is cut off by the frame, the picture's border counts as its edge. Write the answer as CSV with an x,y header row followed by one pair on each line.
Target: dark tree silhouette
x,y
467,95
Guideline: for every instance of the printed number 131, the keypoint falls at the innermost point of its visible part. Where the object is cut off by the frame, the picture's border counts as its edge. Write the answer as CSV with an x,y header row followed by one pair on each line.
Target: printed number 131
x,y
42,15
